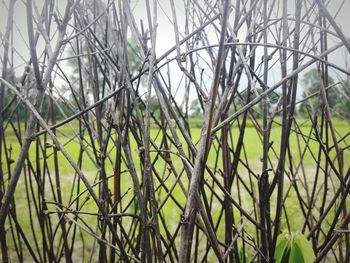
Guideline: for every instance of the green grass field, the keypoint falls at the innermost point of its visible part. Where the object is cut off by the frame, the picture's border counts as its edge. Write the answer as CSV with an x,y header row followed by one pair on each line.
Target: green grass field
x,y
251,156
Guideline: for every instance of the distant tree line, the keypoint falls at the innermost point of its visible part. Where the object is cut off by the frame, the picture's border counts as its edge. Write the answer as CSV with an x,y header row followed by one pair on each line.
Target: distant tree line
x,y
338,97
15,110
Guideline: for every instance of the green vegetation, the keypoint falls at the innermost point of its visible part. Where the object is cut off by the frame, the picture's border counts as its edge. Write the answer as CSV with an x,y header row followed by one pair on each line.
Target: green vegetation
x,y
337,95
293,248
252,152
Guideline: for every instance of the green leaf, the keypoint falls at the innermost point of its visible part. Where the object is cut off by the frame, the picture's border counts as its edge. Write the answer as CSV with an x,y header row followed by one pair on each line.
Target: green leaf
x,y
305,248
296,255
294,248
281,247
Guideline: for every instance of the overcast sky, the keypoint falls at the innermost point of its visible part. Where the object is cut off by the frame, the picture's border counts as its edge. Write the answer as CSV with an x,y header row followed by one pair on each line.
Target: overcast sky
x,y
165,37
165,28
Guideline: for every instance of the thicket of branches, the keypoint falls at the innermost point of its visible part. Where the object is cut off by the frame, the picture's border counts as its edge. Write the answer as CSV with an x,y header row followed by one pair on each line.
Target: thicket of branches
x,y
100,161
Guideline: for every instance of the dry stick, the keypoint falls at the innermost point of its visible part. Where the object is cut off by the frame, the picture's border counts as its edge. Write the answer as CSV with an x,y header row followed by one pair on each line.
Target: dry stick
x,y
72,243
272,88
117,174
207,229
329,120
89,213
334,238
179,145
72,163
67,253
119,108
211,236
93,22
232,171
288,116
137,188
330,206
92,106
23,236
163,102
77,184
269,45
100,215
95,236
35,239
5,59
265,221
263,183
228,167
205,224
123,231
323,211
13,212
234,70
32,44
214,168
38,101
323,136
129,161
38,195
177,179
148,179
179,57
301,154
94,64
228,178
235,238
80,138
202,154
18,246
337,149
337,29
124,137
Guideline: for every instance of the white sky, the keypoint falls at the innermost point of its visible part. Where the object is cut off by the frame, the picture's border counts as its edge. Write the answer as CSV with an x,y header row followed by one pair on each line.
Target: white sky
x,y
165,28
165,32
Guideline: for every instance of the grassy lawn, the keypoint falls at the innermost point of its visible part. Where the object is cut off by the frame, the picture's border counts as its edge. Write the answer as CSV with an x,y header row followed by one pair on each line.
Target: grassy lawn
x,y
250,156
